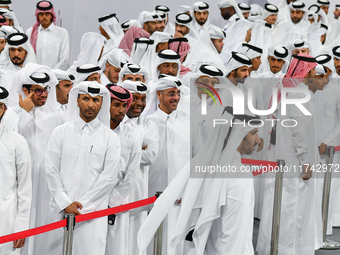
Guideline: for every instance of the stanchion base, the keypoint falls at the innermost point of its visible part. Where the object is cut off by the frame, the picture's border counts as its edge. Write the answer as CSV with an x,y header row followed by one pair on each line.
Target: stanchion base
x,y
330,245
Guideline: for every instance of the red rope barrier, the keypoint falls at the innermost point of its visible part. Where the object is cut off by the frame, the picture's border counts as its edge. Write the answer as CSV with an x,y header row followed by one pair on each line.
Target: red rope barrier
x,y
267,166
79,218
113,210
337,148
33,231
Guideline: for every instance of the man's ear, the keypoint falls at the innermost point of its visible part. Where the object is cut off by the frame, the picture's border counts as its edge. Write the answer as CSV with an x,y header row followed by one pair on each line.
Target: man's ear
x,y
25,90
159,95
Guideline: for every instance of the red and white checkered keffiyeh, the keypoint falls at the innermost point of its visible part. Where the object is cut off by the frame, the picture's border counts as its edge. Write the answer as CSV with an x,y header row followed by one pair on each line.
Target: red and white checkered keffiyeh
x,y
182,48
34,34
120,94
297,71
129,37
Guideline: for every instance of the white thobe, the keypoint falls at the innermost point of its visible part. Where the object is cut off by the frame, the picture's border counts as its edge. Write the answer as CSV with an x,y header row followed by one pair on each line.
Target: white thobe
x,y
328,106
297,146
7,75
82,161
147,131
52,47
37,127
294,31
15,186
232,232
104,80
118,240
174,152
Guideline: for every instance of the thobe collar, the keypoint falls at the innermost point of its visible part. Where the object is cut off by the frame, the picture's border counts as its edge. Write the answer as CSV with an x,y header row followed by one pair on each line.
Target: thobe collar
x,y
164,116
233,18
104,80
49,28
15,67
92,124
277,75
133,121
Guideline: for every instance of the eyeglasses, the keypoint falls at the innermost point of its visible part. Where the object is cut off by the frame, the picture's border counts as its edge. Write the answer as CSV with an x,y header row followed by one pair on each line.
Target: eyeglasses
x,y
173,94
39,92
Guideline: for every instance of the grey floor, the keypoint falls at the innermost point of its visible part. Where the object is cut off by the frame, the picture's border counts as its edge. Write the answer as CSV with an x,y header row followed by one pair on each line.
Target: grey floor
x,y
334,237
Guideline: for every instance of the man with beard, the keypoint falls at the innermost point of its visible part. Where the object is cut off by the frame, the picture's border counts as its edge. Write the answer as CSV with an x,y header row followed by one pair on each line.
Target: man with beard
x,y
296,145
230,12
337,11
111,65
50,42
161,22
82,167
148,20
336,58
37,109
200,18
63,88
175,148
298,23
17,54
118,239
147,132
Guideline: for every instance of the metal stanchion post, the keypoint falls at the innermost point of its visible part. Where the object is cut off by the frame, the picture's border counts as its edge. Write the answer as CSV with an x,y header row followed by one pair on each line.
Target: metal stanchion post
x,y
327,244
274,245
68,234
157,239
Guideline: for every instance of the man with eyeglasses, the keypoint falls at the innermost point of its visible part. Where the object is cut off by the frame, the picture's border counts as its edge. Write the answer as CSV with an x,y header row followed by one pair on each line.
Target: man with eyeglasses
x,y
175,147
15,182
37,110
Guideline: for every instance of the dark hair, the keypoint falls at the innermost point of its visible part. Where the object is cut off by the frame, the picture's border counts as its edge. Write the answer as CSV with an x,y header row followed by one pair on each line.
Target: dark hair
x,y
27,86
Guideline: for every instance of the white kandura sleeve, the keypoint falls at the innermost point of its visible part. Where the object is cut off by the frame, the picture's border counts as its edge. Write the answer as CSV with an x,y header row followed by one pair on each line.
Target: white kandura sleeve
x,y
151,139
334,136
64,53
299,134
24,185
52,168
107,179
24,117
121,191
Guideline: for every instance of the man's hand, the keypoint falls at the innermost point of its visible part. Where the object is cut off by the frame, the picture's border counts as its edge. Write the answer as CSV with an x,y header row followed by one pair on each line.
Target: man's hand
x,y
73,208
26,104
260,145
307,172
145,147
18,243
322,149
178,34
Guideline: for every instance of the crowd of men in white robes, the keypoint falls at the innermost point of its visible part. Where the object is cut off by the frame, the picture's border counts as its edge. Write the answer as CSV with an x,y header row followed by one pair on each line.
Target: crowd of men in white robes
x,y
136,112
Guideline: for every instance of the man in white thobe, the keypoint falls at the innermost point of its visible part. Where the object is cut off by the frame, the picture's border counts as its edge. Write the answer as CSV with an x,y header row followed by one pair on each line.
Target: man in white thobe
x,y
296,145
111,65
88,72
216,212
15,182
169,27
110,28
17,53
147,131
50,42
65,83
298,23
118,238
37,109
82,160
175,147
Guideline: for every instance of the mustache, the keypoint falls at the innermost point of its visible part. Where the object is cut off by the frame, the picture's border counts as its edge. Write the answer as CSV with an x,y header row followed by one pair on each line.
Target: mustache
x,y
16,58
